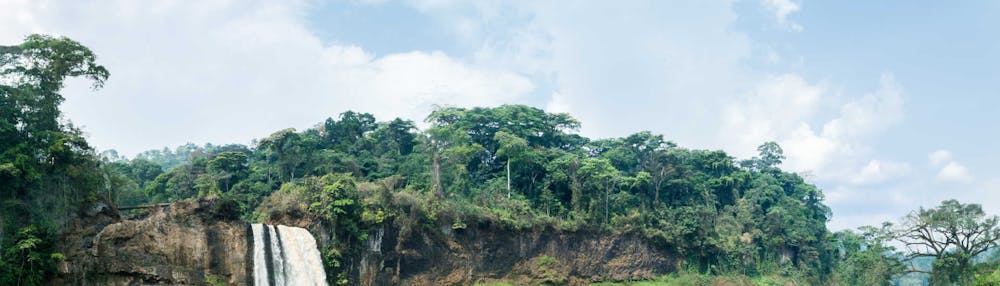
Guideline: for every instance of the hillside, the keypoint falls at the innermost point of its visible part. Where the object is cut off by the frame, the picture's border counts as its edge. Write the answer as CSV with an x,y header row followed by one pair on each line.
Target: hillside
x,y
487,194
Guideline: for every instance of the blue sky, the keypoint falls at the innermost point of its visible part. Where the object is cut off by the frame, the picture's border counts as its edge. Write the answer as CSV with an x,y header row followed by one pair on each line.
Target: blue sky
x,y
886,105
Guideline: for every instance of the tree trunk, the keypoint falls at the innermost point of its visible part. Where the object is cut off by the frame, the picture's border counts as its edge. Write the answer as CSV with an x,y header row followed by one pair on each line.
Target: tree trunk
x,y
659,183
607,192
656,194
508,178
270,179
575,199
1,229
531,187
62,187
436,170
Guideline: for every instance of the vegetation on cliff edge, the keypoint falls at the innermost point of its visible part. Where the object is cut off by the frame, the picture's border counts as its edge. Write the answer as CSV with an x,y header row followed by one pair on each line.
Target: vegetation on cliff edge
x,y
514,167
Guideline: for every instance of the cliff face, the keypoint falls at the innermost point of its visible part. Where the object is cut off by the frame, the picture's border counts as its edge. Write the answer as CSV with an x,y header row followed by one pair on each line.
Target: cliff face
x,y
468,256
194,243
445,256
187,243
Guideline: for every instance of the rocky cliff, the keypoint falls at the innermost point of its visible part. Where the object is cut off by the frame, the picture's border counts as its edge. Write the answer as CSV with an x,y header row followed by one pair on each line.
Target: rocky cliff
x,y
468,256
194,243
190,242
483,253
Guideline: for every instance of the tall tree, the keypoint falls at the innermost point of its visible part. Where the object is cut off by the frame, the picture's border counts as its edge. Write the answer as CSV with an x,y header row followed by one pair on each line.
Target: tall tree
x,y
953,234
344,133
397,136
228,167
601,176
46,166
286,148
660,168
562,174
511,148
770,156
33,74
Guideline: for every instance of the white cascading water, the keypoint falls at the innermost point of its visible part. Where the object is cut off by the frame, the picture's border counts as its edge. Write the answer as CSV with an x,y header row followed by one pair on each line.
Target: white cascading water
x,y
259,264
285,256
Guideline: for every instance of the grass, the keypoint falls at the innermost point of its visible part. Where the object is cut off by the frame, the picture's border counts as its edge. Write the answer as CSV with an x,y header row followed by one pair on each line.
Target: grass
x,y
706,280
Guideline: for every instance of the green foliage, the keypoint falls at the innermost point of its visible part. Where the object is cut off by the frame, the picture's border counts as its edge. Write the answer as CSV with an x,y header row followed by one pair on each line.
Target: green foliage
x,y
953,234
990,279
545,261
335,199
47,169
185,154
545,272
515,167
512,166
30,259
215,280
333,260
487,166
866,259
494,284
692,279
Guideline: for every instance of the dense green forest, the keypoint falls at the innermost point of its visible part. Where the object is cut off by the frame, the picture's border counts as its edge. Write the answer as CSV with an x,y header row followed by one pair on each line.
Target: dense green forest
x,y
514,167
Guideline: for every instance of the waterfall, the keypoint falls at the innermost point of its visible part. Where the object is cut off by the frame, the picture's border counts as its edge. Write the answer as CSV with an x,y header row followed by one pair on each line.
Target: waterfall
x,y
285,256
375,244
259,264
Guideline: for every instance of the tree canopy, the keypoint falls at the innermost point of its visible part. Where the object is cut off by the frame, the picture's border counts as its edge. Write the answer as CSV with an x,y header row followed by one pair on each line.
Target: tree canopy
x,y
47,169
953,234
519,167
513,167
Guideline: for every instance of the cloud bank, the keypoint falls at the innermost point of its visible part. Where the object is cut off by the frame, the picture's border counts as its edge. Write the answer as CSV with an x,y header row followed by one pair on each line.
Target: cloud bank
x,y
231,71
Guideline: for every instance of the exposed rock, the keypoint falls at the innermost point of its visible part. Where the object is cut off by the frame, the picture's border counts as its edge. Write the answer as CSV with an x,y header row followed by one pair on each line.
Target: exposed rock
x,y
187,243
193,241
77,242
488,254
525,258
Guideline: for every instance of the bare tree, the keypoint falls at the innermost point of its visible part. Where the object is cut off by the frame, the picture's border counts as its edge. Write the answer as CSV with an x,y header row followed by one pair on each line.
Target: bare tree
x,y
953,234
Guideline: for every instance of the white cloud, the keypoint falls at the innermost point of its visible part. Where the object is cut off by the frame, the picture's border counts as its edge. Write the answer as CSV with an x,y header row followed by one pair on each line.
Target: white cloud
x,y
781,10
778,106
784,108
809,152
226,72
848,134
857,205
949,170
955,172
409,84
873,113
17,19
676,63
837,151
879,171
939,157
